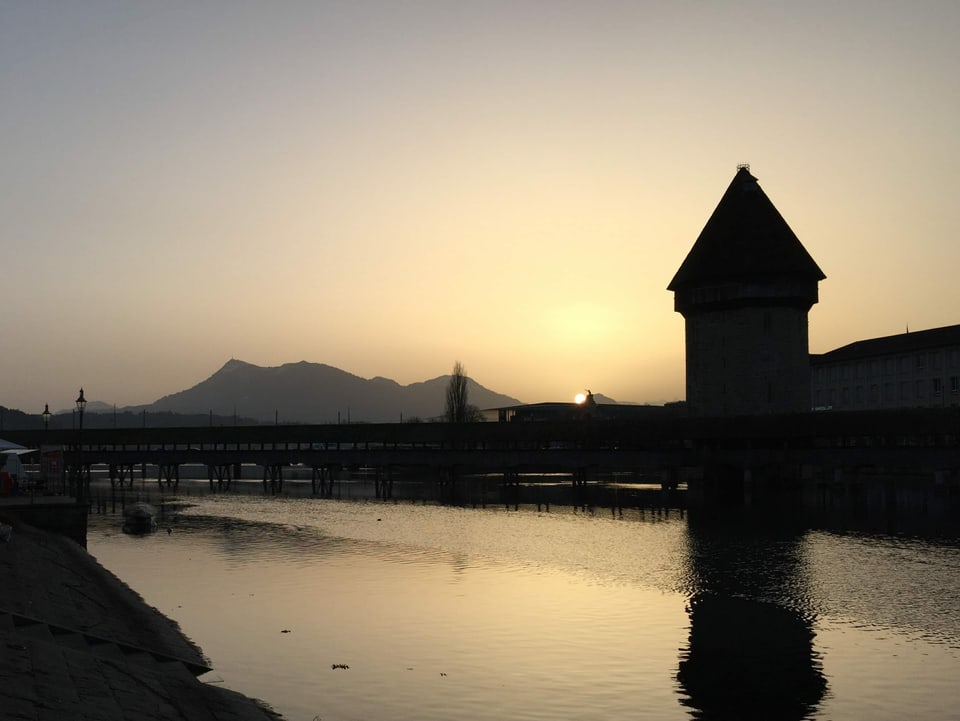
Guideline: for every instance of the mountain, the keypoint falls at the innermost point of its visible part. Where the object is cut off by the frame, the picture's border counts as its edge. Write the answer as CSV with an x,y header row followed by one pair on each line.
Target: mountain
x,y
316,393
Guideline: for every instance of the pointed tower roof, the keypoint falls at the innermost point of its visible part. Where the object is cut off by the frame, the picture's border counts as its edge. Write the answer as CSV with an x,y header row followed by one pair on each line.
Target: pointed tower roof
x,y
746,238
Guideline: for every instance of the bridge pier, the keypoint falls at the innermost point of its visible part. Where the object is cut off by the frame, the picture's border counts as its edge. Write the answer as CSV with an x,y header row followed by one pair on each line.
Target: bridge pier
x,y
884,491
223,473
669,478
322,479
746,484
79,475
119,472
169,472
580,488
510,489
447,490
273,478
383,482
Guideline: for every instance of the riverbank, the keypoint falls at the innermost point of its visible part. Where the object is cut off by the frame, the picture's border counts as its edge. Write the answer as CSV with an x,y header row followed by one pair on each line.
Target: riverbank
x,y
77,643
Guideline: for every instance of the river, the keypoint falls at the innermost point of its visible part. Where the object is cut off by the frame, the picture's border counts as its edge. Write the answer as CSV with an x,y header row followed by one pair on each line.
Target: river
x,y
350,610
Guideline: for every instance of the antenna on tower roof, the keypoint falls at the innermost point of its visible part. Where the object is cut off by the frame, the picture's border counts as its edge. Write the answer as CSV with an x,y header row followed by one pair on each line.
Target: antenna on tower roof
x,y
744,166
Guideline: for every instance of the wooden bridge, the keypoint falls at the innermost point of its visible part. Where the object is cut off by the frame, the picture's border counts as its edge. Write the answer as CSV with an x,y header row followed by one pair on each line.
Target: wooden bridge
x,y
712,452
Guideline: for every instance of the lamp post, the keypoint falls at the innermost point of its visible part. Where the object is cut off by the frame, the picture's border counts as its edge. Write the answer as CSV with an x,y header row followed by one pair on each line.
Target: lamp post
x,y
81,404
44,464
81,479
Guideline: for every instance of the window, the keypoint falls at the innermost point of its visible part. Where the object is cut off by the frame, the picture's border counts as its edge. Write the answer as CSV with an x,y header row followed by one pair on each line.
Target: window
x,y
921,361
935,360
918,389
874,393
955,385
936,385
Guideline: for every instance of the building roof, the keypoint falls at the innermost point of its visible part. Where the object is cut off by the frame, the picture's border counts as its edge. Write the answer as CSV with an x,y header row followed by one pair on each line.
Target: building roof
x,y
746,238
892,345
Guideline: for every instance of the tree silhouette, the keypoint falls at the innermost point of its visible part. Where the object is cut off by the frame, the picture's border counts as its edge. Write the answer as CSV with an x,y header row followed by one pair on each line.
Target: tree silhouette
x,y
458,408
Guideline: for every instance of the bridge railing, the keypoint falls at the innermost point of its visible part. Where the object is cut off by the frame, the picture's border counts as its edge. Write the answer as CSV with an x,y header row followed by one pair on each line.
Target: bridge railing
x,y
686,438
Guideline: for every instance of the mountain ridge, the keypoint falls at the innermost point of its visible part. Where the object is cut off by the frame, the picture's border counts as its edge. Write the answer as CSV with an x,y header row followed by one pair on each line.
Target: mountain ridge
x,y
307,392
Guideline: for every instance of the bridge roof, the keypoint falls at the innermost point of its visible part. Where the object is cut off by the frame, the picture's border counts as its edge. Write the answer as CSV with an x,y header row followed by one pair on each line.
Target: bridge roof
x,y
746,238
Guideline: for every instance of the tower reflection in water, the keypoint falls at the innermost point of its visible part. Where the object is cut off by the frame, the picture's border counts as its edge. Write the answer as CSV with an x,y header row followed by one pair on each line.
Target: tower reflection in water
x,y
750,653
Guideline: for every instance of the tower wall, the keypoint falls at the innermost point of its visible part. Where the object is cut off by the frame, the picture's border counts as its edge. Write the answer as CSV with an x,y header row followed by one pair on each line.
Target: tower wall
x,y
747,360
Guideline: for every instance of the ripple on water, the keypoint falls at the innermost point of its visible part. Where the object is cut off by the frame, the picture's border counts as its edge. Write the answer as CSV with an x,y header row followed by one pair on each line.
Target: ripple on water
x,y
533,615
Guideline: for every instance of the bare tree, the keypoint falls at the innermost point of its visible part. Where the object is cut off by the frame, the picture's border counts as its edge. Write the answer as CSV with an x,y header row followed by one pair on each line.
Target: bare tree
x,y
458,408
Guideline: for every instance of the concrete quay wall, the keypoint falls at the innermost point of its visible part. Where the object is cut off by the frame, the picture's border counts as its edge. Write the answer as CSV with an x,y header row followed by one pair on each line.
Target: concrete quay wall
x,y
77,643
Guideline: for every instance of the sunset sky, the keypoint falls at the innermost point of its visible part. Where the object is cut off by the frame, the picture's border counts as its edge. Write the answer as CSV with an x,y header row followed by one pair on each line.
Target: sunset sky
x,y
388,186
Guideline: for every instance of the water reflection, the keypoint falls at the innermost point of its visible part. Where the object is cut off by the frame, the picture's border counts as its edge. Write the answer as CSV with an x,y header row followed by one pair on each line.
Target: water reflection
x,y
750,653
561,612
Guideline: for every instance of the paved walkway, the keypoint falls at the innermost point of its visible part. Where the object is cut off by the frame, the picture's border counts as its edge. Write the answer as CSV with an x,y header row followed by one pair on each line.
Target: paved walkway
x,y
76,643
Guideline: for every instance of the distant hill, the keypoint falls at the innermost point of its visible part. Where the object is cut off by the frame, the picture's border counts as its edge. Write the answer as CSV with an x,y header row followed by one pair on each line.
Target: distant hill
x,y
314,393
246,394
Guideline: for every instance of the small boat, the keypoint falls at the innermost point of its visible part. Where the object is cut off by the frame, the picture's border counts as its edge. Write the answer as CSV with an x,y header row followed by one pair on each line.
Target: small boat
x,y
139,517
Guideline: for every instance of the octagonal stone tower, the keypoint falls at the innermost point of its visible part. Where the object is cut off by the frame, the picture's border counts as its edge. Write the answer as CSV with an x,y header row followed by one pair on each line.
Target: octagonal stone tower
x,y
744,290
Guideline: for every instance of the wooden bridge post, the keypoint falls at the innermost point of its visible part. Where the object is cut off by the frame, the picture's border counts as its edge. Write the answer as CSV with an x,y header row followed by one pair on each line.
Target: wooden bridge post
x,y
580,487
669,478
223,473
169,472
126,469
322,478
317,478
383,482
448,485
118,473
511,489
273,473
79,475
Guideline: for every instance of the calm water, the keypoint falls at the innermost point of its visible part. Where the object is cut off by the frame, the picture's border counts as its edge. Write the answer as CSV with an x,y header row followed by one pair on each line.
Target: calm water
x,y
474,614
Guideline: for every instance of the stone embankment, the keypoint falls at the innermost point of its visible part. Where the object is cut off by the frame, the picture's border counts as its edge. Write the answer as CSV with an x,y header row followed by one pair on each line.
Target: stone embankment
x,y
77,644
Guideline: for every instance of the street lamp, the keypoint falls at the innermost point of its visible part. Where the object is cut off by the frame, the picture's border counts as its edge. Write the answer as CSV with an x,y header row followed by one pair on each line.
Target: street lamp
x,y
81,404
44,462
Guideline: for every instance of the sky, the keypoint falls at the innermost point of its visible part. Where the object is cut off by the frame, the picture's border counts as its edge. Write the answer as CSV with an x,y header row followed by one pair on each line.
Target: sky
x,y
389,186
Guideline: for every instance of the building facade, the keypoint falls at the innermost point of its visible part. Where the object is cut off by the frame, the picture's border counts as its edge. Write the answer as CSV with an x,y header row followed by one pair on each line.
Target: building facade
x,y
744,290
919,369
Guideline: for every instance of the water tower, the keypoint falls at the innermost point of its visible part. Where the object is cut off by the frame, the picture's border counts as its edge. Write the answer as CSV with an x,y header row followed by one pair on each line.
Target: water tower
x,y
744,290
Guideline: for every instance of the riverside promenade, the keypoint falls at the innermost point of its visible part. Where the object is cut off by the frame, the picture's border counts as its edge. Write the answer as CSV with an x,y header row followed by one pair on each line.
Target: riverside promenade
x,y
77,644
